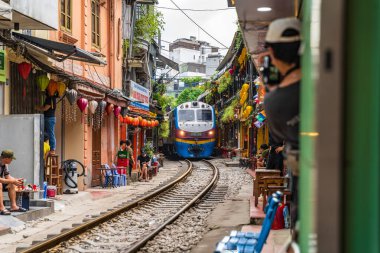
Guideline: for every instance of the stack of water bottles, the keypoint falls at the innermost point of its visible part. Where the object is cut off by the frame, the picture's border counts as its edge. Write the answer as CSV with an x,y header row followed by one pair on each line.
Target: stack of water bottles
x,y
240,242
249,242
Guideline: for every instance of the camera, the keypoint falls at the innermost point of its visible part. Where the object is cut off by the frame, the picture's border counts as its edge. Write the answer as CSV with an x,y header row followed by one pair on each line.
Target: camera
x,y
271,75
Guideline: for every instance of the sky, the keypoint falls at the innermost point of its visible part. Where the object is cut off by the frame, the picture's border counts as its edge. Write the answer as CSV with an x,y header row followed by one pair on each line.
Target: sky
x,y
220,24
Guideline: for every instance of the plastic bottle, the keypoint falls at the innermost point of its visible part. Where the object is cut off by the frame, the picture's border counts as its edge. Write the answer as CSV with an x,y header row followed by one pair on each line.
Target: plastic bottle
x,y
45,190
286,217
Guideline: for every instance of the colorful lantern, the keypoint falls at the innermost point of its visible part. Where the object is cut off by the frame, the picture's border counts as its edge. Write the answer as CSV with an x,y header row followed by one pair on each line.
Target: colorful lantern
x,y
82,104
61,88
72,96
245,87
52,87
102,106
43,82
123,112
109,108
116,111
92,106
24,69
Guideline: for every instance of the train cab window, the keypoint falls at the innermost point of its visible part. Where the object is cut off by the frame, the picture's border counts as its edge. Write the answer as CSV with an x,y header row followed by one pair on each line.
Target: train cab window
x,y
186,115
204,115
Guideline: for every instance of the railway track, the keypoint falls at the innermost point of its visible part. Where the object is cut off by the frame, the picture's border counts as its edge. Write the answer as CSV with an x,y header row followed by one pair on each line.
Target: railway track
x,y
128,228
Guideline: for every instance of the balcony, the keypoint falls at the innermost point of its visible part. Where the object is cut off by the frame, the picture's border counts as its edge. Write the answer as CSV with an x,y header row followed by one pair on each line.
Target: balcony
x,y
29,15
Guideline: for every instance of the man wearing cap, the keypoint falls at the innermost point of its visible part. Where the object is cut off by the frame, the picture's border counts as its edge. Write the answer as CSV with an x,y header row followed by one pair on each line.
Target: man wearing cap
x,y
281,104
8,183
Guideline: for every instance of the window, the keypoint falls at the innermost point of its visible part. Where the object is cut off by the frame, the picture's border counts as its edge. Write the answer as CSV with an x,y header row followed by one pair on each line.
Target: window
x,y
204,115
194,57
95,22
186,115
66,15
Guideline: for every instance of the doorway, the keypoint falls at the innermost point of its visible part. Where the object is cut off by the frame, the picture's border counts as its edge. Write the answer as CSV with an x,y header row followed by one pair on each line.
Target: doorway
x,y
96,157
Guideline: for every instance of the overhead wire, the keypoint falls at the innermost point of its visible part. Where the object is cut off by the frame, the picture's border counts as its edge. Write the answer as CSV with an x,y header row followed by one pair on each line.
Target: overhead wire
x,y
198,24
174,9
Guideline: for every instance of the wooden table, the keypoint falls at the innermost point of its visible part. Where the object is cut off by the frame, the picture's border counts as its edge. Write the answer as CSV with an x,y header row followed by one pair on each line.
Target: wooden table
x,y
257,175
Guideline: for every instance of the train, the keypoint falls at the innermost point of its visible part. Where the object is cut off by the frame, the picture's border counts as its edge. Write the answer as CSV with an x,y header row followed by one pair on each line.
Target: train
x,y
192,131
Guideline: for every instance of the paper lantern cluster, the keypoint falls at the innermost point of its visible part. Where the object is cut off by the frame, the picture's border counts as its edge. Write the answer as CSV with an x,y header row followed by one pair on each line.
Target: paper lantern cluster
x,y
244,93
138,121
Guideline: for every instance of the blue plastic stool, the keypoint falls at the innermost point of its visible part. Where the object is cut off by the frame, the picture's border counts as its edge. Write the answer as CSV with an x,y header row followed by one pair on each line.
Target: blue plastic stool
x,y
122,181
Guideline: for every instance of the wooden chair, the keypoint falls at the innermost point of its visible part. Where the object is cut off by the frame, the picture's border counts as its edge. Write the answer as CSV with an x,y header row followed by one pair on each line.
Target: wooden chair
x,y
272,184
259,183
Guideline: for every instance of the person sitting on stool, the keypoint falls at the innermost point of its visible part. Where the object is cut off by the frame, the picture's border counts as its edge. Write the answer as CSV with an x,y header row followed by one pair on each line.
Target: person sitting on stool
x,y
8,183
142,162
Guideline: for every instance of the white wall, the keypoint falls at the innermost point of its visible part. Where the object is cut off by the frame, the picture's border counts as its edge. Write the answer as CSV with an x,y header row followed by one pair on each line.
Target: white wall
x,y
184,55
211,65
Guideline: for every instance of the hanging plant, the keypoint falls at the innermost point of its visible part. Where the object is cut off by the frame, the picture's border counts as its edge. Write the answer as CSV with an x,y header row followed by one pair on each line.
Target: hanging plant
x,y
224,81
163,130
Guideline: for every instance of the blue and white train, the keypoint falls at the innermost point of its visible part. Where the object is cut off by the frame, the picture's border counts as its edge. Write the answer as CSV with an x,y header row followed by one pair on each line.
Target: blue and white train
x,y
192,130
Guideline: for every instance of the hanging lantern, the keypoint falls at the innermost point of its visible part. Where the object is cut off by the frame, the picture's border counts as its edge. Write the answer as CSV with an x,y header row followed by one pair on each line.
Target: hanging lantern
x,y
123,112
82,104
43,82
102,106
72,96
132,121
149,124
144,123
52,88
120,118
109,108
92,106
140,119
61,88
136,121
125,119
116,111
24,69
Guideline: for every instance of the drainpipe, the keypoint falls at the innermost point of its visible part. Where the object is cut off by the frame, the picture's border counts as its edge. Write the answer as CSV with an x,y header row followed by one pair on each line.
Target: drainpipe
x,y
131,35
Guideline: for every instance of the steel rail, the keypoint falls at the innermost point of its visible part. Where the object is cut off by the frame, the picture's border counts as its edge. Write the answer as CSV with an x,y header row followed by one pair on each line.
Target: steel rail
x,y
54,241
137,246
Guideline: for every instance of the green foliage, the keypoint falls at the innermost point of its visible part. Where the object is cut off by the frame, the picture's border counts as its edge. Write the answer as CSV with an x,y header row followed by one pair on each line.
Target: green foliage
x,y
164,100
125,48
149,24
163,130
229,112
189,94
148,148
239,39
209,97
192,81
224,81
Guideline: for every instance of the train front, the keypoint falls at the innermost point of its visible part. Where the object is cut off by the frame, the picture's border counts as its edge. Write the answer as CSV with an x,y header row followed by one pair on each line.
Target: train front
x,y
195,130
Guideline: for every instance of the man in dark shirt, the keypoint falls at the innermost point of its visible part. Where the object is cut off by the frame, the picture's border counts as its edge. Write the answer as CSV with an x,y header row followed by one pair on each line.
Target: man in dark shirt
x,y
48,108
142,162
282,103
8,183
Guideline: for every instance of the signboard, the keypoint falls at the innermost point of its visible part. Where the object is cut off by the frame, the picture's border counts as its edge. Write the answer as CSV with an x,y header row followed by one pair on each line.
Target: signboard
x,y
140,94
2,66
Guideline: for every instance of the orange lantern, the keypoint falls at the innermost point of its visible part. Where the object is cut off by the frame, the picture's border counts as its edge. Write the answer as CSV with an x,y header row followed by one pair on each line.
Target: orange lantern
x,y
52,88
136,121
121,119
156,122
140,119
149,124
144,122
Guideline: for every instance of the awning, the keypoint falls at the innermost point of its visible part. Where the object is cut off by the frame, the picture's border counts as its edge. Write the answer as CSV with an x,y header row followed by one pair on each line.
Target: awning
x,y
57,50
168,62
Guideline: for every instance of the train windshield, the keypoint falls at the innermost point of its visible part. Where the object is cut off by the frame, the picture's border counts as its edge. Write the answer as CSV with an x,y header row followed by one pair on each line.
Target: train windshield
x,y
204,115
186,115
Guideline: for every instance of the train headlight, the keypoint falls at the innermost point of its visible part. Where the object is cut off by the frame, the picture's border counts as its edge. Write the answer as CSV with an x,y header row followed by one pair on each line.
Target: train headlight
x,y
211,133
182,133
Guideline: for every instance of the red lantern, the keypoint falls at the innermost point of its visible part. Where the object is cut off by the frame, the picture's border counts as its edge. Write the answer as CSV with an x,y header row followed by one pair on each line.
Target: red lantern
x,y
82,104
117,111
149,123
109,108
143,123
157,123
136,121
24,69
121,119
